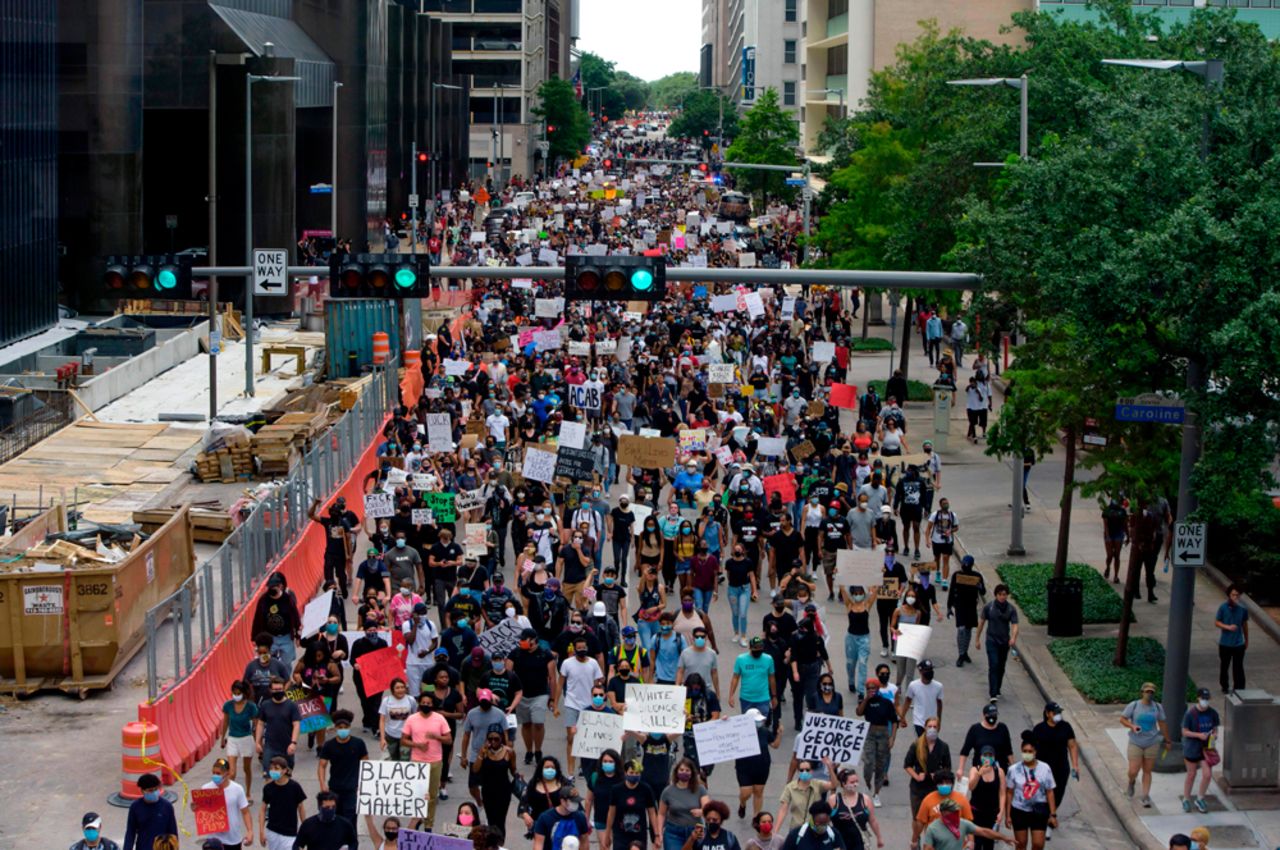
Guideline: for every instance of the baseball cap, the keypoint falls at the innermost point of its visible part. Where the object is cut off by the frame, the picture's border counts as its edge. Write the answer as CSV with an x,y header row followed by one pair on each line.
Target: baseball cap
x,y
927,443
370,622
371,551
925,665
628,631
275,579
967,561
441,651
91,820
1148,686
1204,693
1052,706
885,509
420,608
757,641
484,694
599,610
990,711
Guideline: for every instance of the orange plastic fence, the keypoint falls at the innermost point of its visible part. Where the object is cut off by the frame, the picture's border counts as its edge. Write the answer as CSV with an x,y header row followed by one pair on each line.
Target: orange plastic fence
x,y
188,715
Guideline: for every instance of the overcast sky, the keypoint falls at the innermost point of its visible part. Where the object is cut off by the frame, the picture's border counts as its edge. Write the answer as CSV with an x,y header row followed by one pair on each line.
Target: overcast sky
x,y
647,38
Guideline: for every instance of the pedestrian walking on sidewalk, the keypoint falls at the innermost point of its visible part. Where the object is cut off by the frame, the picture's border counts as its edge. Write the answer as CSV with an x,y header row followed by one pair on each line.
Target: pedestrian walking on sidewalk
x,y
1232,621
1001,622
1115,534
1056,746
1148,729
1200,727
967,587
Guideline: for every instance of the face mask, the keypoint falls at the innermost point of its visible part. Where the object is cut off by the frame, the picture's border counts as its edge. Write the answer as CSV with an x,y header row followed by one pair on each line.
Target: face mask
x,y
608,582
328,815
425,709
466,819
1057,718
404,591
277,696
944,790
344,734
1203,704
686,606
911,600
371,634
804,775
91,834
391,835
151,796
826,689
831,512
926,676
570,805
400,544
275,774
665,629
699,642
218,779
1028,757
238,697
987,761
931,734
756,653
597,701
580,654
766,827
632,780
684,776
548,773
713,826
462,624
331,628
883,677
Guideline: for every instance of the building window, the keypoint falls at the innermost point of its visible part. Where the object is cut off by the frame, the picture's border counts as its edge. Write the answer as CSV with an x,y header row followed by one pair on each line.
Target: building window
x,y
803,71
789,51
789,93
836,8
837,60
789,11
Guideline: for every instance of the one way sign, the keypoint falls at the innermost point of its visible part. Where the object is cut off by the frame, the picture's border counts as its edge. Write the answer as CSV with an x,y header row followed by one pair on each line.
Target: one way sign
x,y
269,271
1189,541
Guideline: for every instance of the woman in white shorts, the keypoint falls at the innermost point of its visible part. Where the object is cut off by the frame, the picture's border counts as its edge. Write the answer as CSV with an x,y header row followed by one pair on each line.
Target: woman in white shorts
x,y
238,716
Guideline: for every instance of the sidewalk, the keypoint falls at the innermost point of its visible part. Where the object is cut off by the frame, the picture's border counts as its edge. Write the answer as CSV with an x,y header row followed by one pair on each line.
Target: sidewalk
x,y
979,488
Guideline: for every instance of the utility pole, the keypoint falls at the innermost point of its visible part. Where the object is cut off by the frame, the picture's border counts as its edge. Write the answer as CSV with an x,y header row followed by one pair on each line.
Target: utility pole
x,y
333,171
413,190
213,234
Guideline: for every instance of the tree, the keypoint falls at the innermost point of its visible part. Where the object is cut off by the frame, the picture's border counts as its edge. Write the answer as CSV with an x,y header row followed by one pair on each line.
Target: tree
x,y
633,91
568,128
699,116
670,91
768,136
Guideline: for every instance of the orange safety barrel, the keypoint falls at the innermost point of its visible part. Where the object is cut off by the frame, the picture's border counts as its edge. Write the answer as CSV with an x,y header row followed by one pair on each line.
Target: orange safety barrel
x,y
412,358
141,752
381,347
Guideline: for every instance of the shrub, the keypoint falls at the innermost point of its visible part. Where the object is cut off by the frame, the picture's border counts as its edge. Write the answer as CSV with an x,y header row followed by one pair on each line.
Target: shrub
x,y
916,390
872,343
1027,587
1087,663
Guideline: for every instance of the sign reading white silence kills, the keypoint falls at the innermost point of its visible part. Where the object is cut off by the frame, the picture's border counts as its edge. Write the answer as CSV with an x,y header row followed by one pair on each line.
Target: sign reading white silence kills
x,y
397,789
655,708
729,738
825,736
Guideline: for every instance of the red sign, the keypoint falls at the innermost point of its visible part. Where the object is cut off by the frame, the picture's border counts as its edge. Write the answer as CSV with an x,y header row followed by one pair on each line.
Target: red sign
x,y
377,669
844,395
783,483
210,808
842,356
399,644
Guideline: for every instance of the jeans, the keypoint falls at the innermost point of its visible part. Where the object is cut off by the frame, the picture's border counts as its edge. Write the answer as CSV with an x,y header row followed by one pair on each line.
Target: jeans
x,y
621,548
739,602
933,348
875,758
957,346
1232,656
963,636
648,630
857,649
762,707
702,599
997,657
282,648
673,837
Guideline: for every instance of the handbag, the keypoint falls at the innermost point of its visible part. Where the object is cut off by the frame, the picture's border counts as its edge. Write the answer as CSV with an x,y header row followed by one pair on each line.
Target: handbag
x,y
1212,756
518,787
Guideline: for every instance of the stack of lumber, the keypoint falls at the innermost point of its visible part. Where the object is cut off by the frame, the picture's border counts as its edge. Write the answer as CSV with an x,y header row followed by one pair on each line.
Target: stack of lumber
x,y
226,465
350,389
278,447
208,526
72,554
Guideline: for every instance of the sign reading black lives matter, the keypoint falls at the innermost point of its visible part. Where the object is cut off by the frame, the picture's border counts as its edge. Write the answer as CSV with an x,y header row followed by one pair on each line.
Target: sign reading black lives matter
x,y
397,789
825,736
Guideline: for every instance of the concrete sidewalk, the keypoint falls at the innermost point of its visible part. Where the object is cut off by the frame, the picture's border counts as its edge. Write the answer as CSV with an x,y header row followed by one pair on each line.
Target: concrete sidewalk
x,y
979,488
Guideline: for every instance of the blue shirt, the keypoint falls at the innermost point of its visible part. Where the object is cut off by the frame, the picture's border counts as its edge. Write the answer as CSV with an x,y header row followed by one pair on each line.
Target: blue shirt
x,y
691,481
754,674
666,656
1232,615
933,328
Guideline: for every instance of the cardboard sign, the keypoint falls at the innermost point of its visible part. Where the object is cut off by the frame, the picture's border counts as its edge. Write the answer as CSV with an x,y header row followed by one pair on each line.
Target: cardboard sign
x,y
967,579
913,641
784,483
693,440
724,303
469,500
729,738
720,373
802,450
412,839
439,432
655,708
724,455
475,544
441,506
825,736
209,805
397,789
597,731
378,505
844,395
638,307
502,638
316,613
817,408
646,452
539,465
572,434
377,669
575,464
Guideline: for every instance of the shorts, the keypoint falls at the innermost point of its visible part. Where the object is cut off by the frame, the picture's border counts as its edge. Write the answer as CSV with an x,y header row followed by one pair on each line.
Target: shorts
x,y
1136,752
571,716
533,710
943,548
1021,821
243,747
683,567
829,563
276,841
910,513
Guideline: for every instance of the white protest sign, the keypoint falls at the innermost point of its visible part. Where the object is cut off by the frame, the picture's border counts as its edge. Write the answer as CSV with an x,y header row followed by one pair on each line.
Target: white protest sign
x,y
456,368
597,731
469,500
747,260
398,789
475,544
439,432
584,397
422,516
862,567
824,352
720,373
579,349
539,465
525,259
755,304
913,641
546,255
726,739
418,481
724,303
642,513
546,340
548,308
573,434
606,346
654,708
788,307
825,736
396,476
378,505
503,636
724,455
316,613
772,446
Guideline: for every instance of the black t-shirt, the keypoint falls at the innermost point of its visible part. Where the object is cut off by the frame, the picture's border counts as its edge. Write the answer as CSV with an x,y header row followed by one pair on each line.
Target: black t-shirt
x,y
997,739
785,622
531,668
739,571
344,762
834,532
282,806
505,686
722,840
575,566
277,719
880,711
335,536
1051,744
787,546
442,552
822,490
631,815
315,834
622,523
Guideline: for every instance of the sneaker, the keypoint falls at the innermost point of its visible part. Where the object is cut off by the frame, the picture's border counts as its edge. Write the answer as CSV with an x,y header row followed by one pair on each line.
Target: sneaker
x,y
885,784
960,662
1186,803
442,794
943,584
884,653
994,699
875,801
1202,805
1146,802
1048,833
917,555
528,759
1130,791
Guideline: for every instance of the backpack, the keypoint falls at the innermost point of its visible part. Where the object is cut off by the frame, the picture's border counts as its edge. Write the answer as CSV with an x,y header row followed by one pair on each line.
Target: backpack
x,y
564,828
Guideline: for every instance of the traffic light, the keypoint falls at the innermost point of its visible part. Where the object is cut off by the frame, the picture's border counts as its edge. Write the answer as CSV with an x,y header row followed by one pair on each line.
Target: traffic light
x,y
148,276
608,163
379,276
422,156
596,278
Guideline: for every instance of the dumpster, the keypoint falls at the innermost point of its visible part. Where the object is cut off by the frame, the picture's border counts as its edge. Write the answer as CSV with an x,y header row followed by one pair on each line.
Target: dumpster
x,y
72,616
1066,607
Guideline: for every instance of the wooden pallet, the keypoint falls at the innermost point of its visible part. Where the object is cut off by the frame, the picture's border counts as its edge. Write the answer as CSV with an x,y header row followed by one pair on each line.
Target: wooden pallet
x,y
207,526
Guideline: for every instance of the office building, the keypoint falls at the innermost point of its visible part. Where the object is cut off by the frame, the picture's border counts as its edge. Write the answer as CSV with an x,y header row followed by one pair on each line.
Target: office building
x,y
749,46
1264,13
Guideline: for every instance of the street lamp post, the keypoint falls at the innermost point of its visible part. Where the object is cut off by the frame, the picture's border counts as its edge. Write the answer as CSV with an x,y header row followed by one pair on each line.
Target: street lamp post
x,y
1182,592
250,79
1016,547
837,92
333,171
435,142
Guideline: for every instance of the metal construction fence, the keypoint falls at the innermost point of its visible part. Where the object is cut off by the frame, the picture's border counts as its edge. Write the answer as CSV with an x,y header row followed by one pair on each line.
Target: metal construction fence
x,y
202,607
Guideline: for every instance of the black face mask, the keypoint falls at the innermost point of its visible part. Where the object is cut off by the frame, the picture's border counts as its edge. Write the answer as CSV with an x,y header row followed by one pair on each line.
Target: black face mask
x,y
426,709
390,835
581,654
756,653
883,677
277,696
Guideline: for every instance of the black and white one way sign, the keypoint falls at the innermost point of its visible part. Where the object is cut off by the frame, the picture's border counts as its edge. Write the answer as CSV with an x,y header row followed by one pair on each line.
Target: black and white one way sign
x,y
269,267
1189,539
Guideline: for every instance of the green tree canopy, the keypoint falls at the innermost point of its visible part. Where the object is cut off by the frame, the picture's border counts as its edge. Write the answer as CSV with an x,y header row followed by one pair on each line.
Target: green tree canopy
x,y
568,128
767,136
699,116
670,91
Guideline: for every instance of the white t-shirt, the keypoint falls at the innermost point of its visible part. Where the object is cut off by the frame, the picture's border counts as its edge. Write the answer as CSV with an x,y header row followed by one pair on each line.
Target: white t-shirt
x,y
498,424
579,678
397,711
945,524
924,700
975,397
237,802
424,641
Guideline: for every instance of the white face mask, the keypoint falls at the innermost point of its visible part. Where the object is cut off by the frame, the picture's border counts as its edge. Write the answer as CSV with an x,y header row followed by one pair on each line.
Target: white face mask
x,y
1204,703
911,600
510,612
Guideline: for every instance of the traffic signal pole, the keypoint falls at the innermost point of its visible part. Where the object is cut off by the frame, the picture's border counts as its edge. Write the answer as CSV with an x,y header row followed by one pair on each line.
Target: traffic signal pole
x,y
413,190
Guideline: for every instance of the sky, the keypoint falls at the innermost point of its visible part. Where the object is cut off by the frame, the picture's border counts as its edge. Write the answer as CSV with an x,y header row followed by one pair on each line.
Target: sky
x,y
647,38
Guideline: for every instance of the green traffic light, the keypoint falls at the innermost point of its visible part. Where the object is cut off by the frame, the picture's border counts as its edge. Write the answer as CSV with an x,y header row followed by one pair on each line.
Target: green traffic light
x,y
406,278
642,280
167,279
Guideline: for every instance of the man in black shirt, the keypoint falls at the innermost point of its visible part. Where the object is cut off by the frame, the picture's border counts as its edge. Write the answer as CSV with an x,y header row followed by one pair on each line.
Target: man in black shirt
x,y
781,618
808,655
833,535
444,559
536,670
326,830
341,755
339,544
281,808
966,588
785,547
989,733
278,722
506,686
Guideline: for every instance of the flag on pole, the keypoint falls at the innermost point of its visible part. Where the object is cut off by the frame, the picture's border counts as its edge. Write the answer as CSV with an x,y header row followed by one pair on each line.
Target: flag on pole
x,y
577,82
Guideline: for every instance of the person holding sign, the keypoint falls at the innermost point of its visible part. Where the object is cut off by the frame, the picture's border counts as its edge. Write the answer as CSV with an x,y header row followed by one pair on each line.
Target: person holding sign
x,y
239,819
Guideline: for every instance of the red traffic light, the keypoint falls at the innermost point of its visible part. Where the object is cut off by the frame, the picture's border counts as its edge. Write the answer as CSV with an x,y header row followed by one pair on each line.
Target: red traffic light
x,y
588,281
706,132
608,163
404,216
702,166
422,157
550,129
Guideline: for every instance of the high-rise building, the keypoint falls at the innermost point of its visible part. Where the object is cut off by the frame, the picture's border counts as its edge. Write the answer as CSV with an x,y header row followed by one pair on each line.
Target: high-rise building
x,y
28,168
845,40
506,49
752,45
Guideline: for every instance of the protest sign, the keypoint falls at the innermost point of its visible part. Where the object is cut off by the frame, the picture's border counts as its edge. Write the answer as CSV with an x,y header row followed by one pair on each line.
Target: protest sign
x,y
579,349
788,308
474,543
539,465
784,483
456,368
422,516
546,340
209,805
503,637
824,352
825,736
314,711
572,434
724,455
606,346
817,408
548,308
597,731
412,839
468,500
655,708
441,506
397,789
646,452
863,567
316,612
575,464
802,450
913,641
720,373
844,395
378,505
377,669
585,396
771,446
755,304
724,303
731,737
439,432
747,260
693,440
525,337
